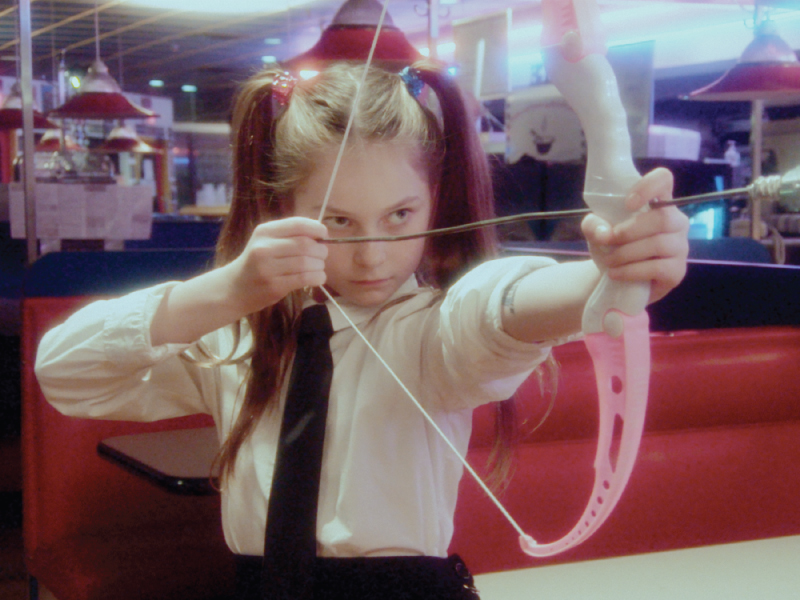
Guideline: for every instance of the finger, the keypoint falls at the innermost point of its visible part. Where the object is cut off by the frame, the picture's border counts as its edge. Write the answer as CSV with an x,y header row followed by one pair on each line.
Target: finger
x,y
657,184
293,227
596,230
662,246
266,247
287,266
298,281
667,220
662,274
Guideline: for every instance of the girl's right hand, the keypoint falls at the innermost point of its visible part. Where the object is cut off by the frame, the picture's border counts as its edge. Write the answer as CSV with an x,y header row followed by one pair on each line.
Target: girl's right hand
x,y
280,257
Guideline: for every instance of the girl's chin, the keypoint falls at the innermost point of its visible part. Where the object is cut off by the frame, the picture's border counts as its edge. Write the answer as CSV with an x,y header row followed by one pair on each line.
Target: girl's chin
x,y
362,296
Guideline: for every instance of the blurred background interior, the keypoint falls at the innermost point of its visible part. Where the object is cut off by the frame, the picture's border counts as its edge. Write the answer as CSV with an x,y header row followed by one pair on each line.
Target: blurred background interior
x,y
132,101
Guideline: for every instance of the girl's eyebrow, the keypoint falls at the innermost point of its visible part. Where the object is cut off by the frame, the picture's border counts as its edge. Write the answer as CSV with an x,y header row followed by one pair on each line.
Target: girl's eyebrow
x,y
408,200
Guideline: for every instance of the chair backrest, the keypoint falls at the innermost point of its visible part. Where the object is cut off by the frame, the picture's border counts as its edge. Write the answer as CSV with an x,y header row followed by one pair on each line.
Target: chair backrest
x,y
68,489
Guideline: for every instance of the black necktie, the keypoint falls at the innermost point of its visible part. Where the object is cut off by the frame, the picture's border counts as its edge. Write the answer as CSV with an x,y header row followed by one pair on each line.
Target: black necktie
x,y
290,545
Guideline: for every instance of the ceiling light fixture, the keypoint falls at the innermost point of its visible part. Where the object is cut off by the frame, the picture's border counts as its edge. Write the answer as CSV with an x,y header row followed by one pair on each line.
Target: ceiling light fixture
x,y
11,113
768,71
350,36
100,96
124,139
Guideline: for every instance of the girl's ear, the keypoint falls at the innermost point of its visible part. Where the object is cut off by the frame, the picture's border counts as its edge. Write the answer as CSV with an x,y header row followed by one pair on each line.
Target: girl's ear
x,y
285,205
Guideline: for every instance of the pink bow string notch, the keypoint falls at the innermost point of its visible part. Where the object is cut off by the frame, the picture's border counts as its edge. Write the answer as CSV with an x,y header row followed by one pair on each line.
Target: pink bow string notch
x,y
615,322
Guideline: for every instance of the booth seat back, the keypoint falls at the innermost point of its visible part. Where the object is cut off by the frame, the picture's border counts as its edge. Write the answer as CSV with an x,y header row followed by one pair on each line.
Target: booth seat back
x,y
719,461
92,530
69,489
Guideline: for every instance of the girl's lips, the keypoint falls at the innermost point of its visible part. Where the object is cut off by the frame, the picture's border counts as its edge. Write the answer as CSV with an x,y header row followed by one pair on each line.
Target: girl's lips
x,y
371,282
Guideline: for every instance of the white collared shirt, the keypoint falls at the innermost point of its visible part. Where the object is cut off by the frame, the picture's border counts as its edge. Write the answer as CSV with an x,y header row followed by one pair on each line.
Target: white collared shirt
x,y
389,482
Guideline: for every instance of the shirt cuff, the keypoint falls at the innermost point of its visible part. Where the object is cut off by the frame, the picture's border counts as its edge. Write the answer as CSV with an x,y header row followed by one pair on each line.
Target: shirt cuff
x,y
127,328
488,363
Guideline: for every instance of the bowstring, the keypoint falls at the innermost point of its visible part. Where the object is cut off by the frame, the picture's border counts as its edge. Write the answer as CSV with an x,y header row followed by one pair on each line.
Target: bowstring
x,y
427,416
358,332
353,110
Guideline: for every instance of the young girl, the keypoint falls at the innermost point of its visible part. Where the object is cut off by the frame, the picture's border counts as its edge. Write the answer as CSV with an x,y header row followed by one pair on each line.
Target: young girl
x,y
459,331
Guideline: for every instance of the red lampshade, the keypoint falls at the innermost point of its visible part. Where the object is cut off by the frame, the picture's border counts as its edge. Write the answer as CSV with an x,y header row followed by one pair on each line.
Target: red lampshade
x,y
100,105
51,142
124,139
11,118
767,70
11,113
350,36
100,98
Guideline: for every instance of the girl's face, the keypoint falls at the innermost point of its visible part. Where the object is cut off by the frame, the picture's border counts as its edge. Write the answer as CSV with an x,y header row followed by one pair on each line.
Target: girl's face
x,y
378,191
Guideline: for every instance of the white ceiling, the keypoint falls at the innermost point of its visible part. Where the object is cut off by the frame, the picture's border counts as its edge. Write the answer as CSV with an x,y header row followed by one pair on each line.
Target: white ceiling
x,y
216,51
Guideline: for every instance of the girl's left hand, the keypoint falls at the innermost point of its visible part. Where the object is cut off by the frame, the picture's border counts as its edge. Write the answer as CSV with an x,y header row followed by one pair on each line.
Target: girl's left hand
x,y
650,246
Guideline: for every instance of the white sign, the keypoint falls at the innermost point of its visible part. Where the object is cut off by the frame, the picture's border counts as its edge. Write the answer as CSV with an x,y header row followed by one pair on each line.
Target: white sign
x,y
76,211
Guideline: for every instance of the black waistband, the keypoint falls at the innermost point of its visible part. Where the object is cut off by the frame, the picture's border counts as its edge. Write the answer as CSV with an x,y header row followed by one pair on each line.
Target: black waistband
x,y
372,578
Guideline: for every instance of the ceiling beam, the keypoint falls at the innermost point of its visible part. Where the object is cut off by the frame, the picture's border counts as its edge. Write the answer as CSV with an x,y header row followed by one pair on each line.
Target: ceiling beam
x,y
66,21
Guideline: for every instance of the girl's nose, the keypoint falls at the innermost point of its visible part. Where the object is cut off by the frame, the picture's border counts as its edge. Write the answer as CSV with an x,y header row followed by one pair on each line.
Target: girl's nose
x,y
370,254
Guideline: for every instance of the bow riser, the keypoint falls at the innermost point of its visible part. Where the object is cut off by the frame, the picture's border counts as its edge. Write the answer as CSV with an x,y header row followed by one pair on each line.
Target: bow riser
x,y
614,320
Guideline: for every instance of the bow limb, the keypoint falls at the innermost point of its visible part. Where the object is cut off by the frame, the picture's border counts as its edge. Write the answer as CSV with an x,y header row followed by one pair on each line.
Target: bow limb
x,y
614,320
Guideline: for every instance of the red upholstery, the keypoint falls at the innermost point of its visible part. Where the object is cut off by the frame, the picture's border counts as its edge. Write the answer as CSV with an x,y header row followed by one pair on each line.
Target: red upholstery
x,y
94,531
719,462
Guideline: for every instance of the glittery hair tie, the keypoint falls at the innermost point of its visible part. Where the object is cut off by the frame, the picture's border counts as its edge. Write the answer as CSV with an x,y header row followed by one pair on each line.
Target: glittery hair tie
x,y
413,81
282,88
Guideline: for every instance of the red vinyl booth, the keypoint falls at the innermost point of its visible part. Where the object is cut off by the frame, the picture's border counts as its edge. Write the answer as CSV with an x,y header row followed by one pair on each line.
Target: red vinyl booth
x,y
719,461
92,530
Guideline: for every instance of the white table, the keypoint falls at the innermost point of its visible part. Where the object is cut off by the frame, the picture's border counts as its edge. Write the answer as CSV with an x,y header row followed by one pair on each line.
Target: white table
x,y
758,570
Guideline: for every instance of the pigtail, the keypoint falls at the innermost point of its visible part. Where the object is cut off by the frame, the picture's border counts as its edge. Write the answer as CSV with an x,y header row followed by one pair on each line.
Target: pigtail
x,y
254,202
253,151
465,195
465,185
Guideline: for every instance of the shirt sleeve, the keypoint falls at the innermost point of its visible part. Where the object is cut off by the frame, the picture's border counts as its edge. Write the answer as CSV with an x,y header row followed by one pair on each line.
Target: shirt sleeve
x,y
480,362
100,363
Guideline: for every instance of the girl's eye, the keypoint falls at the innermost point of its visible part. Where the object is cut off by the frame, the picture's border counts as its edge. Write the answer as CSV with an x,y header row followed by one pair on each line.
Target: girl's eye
x,y
399,216
337,222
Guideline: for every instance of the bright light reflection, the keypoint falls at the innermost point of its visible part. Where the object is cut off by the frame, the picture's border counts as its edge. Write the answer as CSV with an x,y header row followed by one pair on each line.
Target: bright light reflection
x,y
227,7
442,49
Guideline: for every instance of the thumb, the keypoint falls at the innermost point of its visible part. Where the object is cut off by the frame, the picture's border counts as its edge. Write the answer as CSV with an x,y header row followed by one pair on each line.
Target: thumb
x,y
596,230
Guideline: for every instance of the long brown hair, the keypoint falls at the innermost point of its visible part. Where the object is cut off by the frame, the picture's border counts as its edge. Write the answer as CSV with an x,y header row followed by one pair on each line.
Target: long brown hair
x,y
274,149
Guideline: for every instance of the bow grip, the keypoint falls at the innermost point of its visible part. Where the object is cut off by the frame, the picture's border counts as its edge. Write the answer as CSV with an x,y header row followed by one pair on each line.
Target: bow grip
x,y
590,88
612,298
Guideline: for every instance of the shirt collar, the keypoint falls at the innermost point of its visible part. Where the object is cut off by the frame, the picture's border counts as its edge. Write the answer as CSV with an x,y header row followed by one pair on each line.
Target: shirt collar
x,y
362,314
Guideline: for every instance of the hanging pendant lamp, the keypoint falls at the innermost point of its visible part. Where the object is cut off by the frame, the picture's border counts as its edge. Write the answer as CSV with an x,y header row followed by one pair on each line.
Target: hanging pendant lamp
x,y
51,142
350,36
11,113
767,70
100,98
124,139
